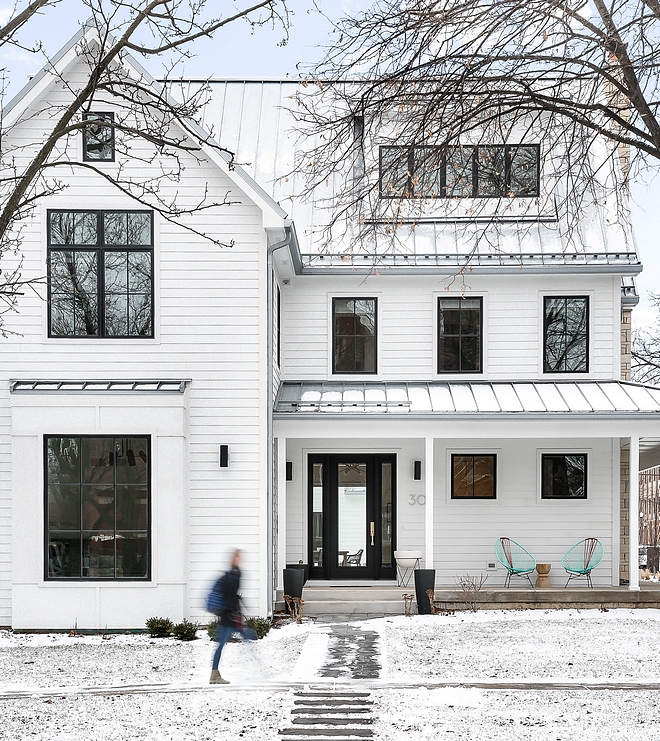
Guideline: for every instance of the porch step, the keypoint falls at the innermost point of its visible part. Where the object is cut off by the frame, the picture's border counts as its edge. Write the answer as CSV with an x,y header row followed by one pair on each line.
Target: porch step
x,y
353,599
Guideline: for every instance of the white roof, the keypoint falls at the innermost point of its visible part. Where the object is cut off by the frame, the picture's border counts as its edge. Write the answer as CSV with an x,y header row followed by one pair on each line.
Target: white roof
x,y
255,119
98,387
467,399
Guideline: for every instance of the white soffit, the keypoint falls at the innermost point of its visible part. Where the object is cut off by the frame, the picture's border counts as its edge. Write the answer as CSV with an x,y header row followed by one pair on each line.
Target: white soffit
x,y
459,398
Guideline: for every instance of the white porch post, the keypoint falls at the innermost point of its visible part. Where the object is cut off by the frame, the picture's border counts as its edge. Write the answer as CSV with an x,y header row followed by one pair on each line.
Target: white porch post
x,y
428,510
633,516
281,510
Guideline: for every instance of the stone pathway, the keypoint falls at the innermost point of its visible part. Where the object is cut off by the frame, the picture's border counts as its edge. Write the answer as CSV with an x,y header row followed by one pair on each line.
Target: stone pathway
x,y
332,715
335,716
352,653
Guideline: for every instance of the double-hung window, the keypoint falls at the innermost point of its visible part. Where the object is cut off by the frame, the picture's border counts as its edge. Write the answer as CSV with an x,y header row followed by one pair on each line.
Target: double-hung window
x,y
100,267
460,335
354,335
98,137
565,334
97,507
491,171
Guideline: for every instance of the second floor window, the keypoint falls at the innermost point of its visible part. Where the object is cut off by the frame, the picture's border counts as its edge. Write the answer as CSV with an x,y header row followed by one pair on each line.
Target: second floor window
x,y
566,334
493,171
354,335
100,269
459,335
98,137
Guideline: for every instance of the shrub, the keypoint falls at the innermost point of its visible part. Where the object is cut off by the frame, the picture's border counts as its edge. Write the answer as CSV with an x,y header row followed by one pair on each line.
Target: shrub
x,y
158,627
259,625
185,631
210,628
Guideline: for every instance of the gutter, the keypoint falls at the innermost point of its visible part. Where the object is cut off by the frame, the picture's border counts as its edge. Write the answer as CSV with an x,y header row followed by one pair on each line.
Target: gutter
x,y
270,384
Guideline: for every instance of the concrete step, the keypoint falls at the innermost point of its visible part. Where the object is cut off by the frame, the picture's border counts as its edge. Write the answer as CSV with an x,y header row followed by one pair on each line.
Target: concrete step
x,y
345,607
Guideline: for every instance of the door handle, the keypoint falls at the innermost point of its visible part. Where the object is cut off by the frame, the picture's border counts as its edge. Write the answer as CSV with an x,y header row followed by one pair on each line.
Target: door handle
x,y
373,531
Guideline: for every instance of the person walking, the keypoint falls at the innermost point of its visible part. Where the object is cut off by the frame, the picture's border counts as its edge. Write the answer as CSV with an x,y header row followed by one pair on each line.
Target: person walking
x,y
230,620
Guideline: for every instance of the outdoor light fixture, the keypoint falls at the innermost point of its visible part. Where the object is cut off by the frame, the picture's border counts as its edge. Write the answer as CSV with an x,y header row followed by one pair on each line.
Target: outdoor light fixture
x,y
289,470
417,470
224,456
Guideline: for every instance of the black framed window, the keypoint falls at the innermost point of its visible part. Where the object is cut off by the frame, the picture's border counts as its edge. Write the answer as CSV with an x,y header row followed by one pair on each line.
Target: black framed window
x,y
460,324
565,334
563,476
492,171
97,503
354,335
98,137
473,476
100,269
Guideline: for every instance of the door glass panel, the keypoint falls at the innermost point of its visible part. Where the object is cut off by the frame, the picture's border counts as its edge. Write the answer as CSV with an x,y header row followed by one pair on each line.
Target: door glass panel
x,y
317,514
352,511
386,515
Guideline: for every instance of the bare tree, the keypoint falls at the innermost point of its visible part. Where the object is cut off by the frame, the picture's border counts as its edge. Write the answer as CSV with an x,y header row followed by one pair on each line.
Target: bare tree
x,y
148,125
579,77
645,355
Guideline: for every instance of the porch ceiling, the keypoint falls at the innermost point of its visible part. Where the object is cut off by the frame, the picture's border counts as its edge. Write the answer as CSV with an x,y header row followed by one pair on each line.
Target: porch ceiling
x,y
542,399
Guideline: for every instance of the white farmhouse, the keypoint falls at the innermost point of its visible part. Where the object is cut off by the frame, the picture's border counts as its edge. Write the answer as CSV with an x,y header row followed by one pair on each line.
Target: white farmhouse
x,y
166,399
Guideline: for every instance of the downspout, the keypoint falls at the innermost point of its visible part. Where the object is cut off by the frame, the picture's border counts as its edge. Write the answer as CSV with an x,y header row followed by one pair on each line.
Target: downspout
x,y
269,424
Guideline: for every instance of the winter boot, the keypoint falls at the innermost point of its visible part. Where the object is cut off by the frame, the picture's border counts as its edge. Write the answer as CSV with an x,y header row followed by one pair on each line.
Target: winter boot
x,y
216,678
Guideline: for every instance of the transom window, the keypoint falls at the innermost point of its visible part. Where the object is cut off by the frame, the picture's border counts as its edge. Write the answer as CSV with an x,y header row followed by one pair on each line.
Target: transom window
x,y
473,476
97,507
98,137
566,334
354,335
100,273
564,476
493,171
459,335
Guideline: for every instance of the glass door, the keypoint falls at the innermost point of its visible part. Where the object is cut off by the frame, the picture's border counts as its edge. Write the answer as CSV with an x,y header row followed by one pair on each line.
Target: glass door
x,y
351,516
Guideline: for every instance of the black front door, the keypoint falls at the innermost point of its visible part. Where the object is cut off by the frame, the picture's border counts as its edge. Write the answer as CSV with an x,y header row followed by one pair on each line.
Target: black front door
x,y
351,516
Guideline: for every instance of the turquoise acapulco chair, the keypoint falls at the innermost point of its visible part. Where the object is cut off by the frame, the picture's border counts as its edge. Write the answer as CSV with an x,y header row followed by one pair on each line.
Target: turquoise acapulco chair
x,y
518,561
582,559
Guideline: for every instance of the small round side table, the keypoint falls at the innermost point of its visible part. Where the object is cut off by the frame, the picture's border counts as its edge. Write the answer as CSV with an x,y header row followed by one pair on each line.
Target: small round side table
x,y
543,569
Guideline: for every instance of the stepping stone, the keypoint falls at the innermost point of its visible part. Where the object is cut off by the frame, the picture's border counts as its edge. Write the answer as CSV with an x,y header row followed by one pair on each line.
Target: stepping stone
x,y
326,710
346,733
331,703
333,721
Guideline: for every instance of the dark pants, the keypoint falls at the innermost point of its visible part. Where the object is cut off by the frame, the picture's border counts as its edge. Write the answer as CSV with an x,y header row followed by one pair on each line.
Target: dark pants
x,y
223,634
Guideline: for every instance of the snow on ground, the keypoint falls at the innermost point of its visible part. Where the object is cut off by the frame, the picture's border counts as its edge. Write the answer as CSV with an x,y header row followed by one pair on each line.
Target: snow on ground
x,y
493,645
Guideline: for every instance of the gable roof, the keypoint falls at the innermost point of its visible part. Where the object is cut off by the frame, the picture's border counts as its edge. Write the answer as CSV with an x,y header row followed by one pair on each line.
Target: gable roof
x,y
273,214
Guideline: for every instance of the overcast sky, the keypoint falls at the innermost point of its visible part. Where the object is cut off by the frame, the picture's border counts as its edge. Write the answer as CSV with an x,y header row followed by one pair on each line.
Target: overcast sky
x,y
240,51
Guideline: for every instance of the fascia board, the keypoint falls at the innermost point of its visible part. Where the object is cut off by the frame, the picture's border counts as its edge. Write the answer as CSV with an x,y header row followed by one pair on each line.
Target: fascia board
x,y
37,85
273,214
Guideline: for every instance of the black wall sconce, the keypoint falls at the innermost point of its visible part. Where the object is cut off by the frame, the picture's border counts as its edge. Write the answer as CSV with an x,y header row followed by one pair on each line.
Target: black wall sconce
x,y
417,470
224,456
289,470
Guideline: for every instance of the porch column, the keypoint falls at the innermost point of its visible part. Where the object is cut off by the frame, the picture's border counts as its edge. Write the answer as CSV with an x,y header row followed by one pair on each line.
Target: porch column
x,y
633,516
428,509
281,511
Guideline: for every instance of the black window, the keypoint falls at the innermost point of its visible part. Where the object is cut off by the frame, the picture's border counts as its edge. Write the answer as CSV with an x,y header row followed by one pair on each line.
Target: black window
x,y
473,476
98,137
97,507
494,171
100,267
354,335
566,334
459,335
564,476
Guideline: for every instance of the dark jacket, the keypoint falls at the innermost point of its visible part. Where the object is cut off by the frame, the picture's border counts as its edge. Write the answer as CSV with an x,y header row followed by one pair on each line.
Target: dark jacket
x,y
230,593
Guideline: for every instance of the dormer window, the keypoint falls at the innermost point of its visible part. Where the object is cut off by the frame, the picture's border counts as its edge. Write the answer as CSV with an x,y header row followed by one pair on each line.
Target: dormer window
x,y
493,171
98,137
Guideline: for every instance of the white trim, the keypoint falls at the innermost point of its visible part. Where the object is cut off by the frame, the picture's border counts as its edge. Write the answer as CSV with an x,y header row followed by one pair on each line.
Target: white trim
x,y
429,477
633,516
352,377
471,450
462,376
576,376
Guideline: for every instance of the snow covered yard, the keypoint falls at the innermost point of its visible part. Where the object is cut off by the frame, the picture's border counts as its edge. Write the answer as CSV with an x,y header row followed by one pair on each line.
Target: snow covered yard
x,y
489,646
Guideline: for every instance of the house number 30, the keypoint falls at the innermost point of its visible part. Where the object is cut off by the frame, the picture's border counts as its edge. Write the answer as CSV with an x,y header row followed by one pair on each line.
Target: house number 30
x,y
417,499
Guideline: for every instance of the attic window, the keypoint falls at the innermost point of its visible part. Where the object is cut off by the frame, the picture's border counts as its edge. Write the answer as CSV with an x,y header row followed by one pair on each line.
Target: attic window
x,y
492,171
98,137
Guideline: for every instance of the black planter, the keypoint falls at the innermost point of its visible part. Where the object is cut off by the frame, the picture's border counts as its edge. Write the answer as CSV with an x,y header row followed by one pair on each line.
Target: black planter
x,y
303,566
424,579
293,582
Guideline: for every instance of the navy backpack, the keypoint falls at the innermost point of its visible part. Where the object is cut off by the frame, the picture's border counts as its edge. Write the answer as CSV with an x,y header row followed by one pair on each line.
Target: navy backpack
x,y
215,600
